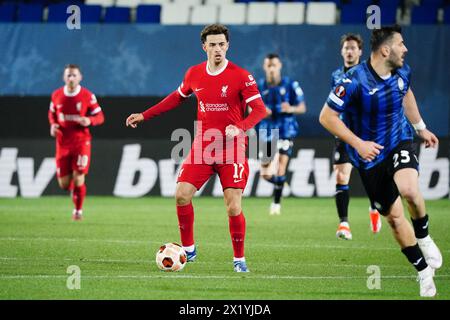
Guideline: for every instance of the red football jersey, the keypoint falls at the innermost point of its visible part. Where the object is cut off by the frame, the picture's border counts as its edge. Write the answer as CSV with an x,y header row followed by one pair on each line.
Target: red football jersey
x,y
66,108
222,99
222,96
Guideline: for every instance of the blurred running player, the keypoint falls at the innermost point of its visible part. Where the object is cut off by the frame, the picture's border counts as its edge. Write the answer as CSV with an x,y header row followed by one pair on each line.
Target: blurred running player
x,y
223,91
73,109
284,100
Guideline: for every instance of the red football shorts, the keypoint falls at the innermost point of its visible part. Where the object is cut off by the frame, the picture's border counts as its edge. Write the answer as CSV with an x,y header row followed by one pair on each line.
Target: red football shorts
x,y
71,158
231,175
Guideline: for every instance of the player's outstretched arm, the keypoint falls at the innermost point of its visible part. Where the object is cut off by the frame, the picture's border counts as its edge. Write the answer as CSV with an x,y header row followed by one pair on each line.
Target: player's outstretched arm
x,y
134,119
330,120
412,113
170,102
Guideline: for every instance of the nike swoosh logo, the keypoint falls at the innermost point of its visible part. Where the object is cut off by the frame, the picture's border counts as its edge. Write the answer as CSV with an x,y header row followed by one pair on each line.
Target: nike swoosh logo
x,y
425,226
417,262
198,89
371,92
236,181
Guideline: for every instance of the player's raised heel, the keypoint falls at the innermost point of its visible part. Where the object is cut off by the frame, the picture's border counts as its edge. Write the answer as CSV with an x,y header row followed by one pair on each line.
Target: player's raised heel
x,y
275,209
191,255
431,252
77,215
375,221
343,231
240,266
426,282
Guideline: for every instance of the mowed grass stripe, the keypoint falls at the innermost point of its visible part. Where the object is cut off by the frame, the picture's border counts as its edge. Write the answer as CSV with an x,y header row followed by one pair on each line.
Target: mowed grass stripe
x,y
291,256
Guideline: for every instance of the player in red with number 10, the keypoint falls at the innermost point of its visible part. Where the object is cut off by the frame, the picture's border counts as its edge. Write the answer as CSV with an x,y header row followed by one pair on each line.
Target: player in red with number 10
x,y
72,110
223,91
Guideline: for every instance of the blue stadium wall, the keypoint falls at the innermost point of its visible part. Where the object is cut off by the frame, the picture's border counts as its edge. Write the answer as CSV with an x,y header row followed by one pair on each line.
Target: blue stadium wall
x,y
132,66
150,60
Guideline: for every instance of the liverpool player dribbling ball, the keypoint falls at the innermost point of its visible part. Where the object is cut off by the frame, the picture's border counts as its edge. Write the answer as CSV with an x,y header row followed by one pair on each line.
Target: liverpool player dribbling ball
x,y
223,91
73,109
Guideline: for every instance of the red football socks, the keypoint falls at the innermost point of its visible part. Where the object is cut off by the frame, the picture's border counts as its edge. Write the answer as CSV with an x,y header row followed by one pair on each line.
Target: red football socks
x,y
186,224
237,232
79,192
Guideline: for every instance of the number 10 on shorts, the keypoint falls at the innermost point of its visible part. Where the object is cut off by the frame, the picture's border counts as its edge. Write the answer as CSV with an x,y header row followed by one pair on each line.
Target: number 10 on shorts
x,y
82,160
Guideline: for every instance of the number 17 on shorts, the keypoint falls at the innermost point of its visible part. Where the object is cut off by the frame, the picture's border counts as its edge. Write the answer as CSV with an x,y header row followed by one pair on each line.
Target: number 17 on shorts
x,y
233,175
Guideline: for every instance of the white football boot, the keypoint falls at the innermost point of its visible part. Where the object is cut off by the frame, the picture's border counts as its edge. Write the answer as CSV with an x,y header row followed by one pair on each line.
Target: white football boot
x,y
275,209
426,282
431,252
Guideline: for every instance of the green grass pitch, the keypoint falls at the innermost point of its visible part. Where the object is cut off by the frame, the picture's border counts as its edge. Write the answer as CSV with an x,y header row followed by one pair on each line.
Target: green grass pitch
x,y
292,256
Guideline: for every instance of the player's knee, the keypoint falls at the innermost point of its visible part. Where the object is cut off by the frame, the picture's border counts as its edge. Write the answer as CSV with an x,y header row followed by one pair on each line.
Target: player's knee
x,y
182,197
266,176
392,221
63,184
78,180
233,209
342,177
395,221
409,193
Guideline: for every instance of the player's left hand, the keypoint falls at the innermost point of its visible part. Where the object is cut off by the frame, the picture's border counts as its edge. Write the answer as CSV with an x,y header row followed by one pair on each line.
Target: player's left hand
x,y
232,131
428,137
84,121
133,119
286,107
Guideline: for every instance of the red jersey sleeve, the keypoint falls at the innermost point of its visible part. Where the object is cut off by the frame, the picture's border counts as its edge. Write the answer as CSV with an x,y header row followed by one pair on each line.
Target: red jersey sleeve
x,y
95,113
252,97
173,100
52,111
185,88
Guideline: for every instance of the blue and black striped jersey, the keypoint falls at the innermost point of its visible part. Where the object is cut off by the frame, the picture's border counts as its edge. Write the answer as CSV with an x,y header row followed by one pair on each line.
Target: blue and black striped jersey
x,y
373,108
287,91
337,76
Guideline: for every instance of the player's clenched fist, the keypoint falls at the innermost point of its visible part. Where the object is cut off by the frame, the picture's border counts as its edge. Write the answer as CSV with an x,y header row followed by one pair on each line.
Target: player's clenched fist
x,y
54,129
368,150
232,131
428,137
134,119
84,121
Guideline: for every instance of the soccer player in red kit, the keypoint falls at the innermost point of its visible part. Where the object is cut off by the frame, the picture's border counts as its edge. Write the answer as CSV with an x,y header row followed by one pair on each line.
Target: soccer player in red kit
x,y
223,91
72,110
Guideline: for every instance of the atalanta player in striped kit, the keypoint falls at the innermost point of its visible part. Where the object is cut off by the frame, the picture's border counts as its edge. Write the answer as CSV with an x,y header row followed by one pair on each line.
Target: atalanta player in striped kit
x,y
377,102
284,100
351,51
73,109
223,91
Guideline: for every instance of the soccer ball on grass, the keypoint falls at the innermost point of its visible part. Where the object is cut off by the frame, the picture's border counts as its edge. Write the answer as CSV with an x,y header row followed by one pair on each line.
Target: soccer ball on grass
x,y
171,257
